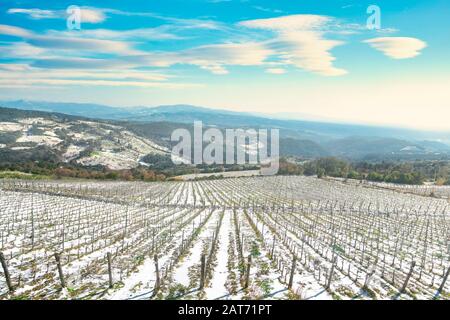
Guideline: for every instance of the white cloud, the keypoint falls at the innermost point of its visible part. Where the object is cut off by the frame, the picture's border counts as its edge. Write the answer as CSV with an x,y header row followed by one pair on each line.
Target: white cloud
x,y
291,22
76,82
397,47
21,50
99,15
15,67
243,54
92,15
25,71
300,41
88,15
14,31
92,45
33,41
264,9
308,50
158,33
215,69
276,70
72,50
87,63
36,13
213,58
22,75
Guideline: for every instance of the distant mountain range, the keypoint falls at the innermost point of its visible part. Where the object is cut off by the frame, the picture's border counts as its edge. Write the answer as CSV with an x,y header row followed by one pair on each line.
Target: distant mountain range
x,y
308,139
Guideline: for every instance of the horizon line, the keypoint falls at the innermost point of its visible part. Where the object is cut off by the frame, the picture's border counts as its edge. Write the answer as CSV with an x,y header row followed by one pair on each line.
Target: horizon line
x,y
264,115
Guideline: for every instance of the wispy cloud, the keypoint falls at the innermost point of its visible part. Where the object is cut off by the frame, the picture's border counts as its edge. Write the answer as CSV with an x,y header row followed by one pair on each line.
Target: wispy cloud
x,y
14,31
92,45
308,50
24,75
242,54
276,70
398,47
21,50
286,23
264,9
99,15
157,33
84,63
74,82
87,14
55,59
37,13
68,43
26,71
299,40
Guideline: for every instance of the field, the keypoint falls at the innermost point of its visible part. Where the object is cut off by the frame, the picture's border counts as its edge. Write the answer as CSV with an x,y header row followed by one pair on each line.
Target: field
x,y
238,238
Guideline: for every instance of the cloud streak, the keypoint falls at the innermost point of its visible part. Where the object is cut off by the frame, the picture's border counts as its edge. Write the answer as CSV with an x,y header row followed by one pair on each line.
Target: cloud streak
x,y
68,43
22,75
87,15
75,82
276,71
286,23
299,41
158,33
398,47
98,15
14,31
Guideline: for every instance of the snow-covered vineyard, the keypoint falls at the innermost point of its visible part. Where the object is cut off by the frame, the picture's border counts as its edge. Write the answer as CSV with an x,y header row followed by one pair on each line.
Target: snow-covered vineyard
x,y
255,237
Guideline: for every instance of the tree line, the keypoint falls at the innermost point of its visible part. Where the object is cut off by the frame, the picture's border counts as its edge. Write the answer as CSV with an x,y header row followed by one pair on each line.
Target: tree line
x,y
161,168
414,173
45,169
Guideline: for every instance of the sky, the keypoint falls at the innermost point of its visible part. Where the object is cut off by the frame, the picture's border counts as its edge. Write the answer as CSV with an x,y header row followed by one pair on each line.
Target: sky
x,y
373,62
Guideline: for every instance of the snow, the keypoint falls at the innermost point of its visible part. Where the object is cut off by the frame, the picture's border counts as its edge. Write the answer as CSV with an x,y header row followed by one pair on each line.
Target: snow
x,y
20,148
72,152
41,140
116,148
10,126
360,227
217,288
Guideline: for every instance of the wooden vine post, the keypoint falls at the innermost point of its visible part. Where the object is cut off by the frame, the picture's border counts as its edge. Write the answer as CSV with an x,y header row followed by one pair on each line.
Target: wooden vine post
x,y
6,272
405,284
111,284
441,288
202,271
60,271
158,279
247,274
291,278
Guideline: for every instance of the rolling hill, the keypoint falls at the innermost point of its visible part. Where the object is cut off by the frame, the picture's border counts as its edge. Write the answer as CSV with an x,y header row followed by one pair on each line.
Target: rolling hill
x,y
305,139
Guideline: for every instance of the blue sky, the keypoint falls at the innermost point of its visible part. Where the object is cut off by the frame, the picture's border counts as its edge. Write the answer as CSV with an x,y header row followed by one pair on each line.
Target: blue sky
x,y
309,57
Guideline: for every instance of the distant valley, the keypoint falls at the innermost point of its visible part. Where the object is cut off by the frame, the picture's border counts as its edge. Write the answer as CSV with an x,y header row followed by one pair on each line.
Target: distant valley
x,y
120,138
